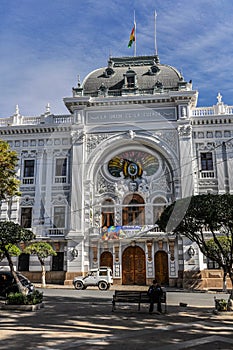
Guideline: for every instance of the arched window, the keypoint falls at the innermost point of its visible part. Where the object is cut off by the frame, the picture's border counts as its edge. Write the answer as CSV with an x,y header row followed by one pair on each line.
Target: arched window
x,y
159,205
133,210
107,213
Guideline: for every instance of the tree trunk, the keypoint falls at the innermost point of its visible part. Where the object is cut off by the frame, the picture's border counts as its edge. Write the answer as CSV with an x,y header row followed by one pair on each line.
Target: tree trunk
x,y
21,288
224,282
43,272
231,278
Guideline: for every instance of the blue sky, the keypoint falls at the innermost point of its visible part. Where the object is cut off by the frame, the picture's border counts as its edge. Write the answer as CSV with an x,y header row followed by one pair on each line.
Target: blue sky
x,y
46,44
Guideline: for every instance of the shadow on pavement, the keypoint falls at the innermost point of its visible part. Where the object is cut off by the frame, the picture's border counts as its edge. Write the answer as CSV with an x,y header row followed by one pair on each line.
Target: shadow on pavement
x,y
71,323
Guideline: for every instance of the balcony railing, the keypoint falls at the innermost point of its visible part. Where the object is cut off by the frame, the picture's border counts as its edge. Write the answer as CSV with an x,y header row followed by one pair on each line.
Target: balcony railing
x,y
57,232
60,179
207,174
215,110
28,180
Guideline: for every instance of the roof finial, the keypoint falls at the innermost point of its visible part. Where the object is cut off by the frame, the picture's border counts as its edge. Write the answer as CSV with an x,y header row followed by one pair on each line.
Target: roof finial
x,y
79,83
48,108
17,110
219,98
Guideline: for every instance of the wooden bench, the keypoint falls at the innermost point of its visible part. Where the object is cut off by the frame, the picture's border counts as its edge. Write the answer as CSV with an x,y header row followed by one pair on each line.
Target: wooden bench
x,y
136,297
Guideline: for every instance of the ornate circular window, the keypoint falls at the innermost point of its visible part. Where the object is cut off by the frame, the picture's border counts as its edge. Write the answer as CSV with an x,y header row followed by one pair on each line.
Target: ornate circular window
x,y
133,164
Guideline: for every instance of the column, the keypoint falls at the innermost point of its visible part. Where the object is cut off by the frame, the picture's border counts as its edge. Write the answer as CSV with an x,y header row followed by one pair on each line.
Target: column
x,y
229,149
186,156
220,169
77,200
38,195
48,187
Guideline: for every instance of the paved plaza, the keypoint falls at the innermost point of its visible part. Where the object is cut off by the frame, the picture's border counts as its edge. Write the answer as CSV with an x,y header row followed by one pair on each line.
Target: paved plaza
x,y
71,320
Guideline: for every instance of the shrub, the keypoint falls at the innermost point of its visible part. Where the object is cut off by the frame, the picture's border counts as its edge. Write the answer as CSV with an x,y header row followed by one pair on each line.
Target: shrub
x,y
16,299
221,304
36,297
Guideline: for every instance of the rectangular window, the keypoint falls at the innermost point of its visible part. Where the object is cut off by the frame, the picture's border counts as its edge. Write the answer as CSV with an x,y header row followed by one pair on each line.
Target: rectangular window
x,y
29,166
23,262
107,219
26,217
61,170
207,161
58,262
130,82
61,167
59,220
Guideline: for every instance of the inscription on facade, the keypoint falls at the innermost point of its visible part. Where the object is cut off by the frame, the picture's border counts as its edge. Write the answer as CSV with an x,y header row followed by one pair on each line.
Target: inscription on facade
x,y
148,114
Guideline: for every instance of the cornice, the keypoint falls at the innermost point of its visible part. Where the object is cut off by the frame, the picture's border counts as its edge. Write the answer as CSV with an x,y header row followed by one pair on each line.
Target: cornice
x,y
16,130
74,103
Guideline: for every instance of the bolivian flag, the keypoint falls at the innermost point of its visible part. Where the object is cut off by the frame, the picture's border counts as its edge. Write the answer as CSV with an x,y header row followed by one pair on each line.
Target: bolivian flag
x,y
132,37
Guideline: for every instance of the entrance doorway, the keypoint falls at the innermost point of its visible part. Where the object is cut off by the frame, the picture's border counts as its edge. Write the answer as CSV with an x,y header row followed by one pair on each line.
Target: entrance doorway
x,y
161,267
106,259
133,266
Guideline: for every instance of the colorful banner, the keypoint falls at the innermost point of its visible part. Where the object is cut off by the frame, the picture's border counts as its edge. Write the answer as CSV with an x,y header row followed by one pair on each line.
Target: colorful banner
x,y
119,232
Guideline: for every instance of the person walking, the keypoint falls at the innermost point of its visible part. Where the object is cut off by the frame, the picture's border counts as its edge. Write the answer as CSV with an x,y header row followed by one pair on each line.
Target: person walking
x,y
155,293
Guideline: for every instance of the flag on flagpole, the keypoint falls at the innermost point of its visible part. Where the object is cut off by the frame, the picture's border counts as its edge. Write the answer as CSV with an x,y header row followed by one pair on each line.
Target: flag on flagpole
x,y
132,37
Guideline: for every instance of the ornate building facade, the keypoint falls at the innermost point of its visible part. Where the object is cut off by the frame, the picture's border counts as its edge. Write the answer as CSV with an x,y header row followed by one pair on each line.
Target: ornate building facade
x,y
95,181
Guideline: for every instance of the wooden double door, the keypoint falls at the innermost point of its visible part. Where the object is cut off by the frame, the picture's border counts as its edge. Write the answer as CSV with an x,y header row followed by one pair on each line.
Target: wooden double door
x,y
161,267
133,266
106,259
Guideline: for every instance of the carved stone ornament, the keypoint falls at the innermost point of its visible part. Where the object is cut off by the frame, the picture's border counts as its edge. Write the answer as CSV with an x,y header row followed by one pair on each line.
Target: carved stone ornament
x,y
27,201
78,136
184,130
94,140
103,185
28,154
169,137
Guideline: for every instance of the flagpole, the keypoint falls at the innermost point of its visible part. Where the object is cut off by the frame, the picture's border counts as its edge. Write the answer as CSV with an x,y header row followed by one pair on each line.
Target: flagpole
x,y
156,48
135,35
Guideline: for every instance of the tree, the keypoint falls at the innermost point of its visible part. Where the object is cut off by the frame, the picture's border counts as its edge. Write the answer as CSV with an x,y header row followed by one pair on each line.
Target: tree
x,y
13,234
208,221
42,250
12,249
9,184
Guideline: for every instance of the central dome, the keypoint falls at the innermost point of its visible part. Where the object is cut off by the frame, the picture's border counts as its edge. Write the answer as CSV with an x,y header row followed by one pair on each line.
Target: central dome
x,y
139,74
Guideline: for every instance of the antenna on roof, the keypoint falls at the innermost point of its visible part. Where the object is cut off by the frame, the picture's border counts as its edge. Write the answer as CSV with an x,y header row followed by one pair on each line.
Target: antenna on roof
x,y
156,48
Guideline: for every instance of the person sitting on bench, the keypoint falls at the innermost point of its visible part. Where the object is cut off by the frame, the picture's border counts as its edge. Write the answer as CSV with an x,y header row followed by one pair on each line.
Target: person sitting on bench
x,y
155,293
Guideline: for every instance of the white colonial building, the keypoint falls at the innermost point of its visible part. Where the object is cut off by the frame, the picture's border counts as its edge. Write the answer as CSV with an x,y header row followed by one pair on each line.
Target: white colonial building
x,y
94,181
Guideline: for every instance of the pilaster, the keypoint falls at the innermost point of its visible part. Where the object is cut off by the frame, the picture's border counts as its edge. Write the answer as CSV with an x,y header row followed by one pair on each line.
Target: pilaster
x,y
48,194
220,170
186,169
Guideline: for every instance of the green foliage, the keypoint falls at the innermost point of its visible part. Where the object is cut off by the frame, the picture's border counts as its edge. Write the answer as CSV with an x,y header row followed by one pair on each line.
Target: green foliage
x,y
35,297
195,216
9,184
12,233
41,249
224,246
221,304
12,249
18,298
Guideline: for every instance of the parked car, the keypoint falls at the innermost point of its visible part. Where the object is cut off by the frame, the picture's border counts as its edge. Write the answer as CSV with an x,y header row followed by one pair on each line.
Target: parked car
x,y
8,283
101,277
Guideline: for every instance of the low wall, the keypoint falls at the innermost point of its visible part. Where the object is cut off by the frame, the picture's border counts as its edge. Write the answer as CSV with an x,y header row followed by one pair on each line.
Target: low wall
x,y
56,277
205,280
